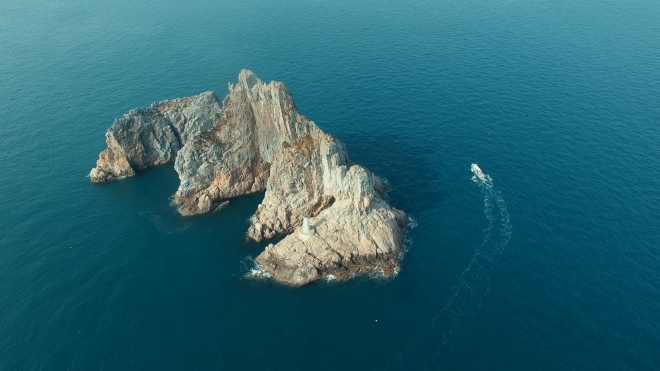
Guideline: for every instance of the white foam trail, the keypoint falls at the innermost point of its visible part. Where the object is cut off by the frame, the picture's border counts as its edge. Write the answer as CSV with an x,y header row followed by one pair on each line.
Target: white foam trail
x,y
473,284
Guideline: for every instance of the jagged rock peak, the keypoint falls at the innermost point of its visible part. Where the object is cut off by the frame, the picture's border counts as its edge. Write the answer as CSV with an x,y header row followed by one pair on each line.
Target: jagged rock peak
x,y
233,157
256,140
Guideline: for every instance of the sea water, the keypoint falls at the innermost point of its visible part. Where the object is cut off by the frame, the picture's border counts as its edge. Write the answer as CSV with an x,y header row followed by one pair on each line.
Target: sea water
x,y
554,265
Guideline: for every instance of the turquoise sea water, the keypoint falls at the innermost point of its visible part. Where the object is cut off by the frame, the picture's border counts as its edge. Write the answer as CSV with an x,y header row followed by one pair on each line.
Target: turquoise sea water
x,y
556,266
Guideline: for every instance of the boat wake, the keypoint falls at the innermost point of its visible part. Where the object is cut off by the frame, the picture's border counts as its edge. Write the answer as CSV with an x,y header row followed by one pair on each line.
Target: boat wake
x,y
473,284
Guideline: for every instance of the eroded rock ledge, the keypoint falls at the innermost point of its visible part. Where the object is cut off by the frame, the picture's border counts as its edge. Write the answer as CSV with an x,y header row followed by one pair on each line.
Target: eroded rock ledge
x,y
255,140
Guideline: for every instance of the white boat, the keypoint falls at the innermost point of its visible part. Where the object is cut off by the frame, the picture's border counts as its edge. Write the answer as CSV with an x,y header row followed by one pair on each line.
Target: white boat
x,y
478,173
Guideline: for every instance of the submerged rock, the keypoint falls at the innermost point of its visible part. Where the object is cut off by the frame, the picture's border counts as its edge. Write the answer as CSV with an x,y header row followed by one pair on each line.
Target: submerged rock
x,y
257,140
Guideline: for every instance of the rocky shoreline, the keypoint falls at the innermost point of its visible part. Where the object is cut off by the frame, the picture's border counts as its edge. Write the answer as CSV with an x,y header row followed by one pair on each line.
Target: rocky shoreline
x,y
255,140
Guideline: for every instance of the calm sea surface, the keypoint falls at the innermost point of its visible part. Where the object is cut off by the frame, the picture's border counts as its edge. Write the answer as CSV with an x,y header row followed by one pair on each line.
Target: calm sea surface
x,y
555,266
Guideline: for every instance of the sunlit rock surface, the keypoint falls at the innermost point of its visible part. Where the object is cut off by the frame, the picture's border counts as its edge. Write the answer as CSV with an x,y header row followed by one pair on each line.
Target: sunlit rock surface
x,y
257,140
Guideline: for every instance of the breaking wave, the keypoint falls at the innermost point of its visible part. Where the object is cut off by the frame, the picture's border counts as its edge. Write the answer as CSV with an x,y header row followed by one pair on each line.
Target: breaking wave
x,y
253,270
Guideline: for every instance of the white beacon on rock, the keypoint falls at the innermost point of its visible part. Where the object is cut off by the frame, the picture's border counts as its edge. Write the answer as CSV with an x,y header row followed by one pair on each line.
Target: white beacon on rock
x,y
306,231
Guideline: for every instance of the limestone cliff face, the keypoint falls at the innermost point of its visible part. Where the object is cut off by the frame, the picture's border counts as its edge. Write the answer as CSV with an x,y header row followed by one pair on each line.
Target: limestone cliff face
x,y
356,231
301,184
233,157
152,136
257,140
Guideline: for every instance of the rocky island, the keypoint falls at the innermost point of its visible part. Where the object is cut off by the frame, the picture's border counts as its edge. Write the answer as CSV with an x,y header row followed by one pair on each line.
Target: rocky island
x,y
256,140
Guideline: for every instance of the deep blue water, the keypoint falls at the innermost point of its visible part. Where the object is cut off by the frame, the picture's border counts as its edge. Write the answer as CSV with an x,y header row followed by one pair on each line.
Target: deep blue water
x,y
559,101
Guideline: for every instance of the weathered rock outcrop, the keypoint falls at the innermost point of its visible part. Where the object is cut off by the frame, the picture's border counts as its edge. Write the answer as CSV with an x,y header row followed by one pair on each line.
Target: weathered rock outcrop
x,y
152,136
356,231
233,157
346,242
257,140
303,177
